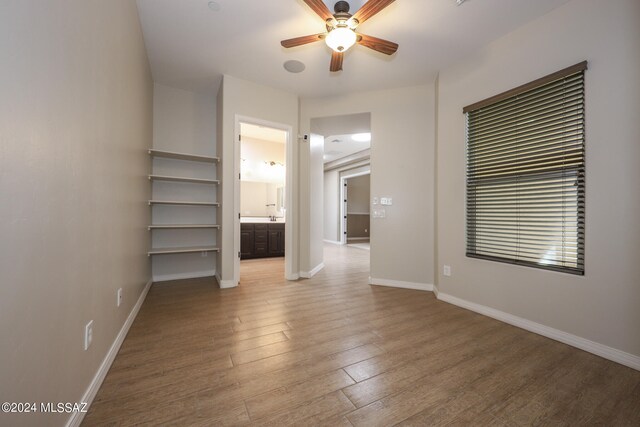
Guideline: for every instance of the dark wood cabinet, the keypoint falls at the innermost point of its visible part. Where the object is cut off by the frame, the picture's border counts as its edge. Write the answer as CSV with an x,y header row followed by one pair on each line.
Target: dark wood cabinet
x,y
276,239
246,241
260,240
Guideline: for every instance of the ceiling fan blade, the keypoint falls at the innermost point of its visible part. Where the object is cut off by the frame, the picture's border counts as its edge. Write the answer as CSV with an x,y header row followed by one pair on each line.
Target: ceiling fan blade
x,y
379,45
336,61
320,8
370,8
299,41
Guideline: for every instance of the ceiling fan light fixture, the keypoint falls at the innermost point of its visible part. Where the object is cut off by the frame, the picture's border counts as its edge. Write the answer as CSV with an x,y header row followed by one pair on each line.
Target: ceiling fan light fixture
x,y
341,38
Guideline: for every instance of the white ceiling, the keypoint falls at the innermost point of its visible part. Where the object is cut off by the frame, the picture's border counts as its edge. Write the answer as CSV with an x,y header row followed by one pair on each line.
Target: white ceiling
x,y
339,146
190,46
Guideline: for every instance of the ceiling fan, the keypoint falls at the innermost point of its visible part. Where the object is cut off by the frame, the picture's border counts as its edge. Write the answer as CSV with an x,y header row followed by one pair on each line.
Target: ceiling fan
x,y
341,26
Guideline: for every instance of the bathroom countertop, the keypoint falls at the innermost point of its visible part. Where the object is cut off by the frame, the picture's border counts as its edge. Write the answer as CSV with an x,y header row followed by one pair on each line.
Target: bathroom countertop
x,y
260,220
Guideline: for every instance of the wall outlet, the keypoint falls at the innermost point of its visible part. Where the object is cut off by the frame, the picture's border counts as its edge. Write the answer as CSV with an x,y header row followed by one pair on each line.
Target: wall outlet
x,y
119,297
204,254
375,201
447,270
88,335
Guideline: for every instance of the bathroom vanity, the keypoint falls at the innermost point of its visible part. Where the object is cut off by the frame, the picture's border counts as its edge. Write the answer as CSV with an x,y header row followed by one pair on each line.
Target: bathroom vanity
x,y
261,238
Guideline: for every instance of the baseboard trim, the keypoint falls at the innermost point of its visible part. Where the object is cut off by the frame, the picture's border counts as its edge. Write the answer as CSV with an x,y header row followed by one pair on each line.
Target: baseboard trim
x,y
76,418
401,284
436,291
610,353
180,276
310,274
357,239
333,242
225,284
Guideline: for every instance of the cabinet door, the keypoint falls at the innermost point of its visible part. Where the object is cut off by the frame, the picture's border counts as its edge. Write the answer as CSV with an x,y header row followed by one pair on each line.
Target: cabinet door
x,y
246,244
281,242
274,242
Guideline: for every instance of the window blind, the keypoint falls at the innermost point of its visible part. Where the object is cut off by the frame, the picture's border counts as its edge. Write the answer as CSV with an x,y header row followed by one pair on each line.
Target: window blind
x,y
526,174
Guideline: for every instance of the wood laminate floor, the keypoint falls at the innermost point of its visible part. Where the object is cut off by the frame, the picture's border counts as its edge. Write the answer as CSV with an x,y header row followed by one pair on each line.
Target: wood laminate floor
x,y
335,351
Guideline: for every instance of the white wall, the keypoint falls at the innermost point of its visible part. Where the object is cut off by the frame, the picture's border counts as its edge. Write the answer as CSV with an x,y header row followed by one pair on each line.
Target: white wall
x,y
312,199
75,123
602,306
402,151
241,98
331,205
183,122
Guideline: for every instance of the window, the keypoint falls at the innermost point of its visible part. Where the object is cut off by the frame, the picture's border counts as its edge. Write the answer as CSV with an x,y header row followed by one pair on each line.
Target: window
x,y
526,174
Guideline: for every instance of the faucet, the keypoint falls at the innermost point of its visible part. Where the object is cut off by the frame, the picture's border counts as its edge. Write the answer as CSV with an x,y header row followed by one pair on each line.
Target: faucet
x,y
272,218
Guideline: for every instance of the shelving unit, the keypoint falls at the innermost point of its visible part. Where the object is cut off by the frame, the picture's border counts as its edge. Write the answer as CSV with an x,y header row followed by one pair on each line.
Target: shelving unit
x,y
159,201
183,179
181,226
181,203
187,250
181,156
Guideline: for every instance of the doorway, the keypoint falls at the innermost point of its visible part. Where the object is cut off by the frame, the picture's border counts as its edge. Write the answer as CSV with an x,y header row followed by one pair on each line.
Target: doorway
x,y
355,214
347,148
263,223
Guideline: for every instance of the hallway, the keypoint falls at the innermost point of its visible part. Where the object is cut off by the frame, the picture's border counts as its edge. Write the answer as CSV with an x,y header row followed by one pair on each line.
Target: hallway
x,y
333,351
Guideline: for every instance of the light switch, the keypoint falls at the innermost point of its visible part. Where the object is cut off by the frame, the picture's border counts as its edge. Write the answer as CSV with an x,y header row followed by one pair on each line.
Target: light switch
x,y
386,201
375,201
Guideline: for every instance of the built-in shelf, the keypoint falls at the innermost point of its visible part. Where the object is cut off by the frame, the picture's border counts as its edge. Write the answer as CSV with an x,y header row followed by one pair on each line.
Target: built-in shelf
x,y
207,162
164,251
182,156
181,226
181,179
179,203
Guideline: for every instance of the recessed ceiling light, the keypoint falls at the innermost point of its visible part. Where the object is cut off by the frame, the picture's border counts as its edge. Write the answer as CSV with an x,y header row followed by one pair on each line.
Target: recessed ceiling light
x,y
215,6
294,66
459,2
361,137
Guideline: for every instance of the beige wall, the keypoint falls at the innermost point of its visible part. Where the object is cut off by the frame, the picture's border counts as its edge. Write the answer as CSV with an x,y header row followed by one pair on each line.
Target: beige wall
x,y
184,122
260,150
254,153
402,151
358,226
602,306
238,97
75,121
358,192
